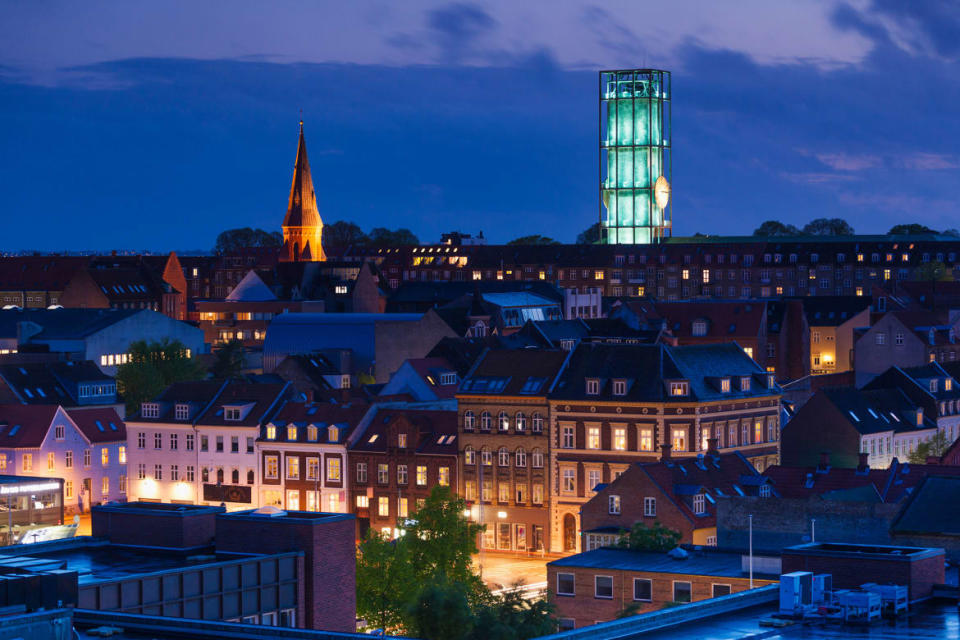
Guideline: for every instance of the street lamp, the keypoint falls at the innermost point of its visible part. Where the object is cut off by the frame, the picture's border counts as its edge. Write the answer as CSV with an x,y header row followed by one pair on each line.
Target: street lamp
x,y
750,520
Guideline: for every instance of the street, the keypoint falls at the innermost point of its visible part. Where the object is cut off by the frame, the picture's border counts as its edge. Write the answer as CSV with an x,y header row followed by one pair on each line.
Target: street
x,y
502,570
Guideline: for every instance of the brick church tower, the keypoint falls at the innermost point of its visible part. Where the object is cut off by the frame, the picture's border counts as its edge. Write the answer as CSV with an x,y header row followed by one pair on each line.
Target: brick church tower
x,y
302,227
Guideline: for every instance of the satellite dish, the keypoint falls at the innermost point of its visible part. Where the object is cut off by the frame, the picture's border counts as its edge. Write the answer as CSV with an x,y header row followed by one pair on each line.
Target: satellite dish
x,y
661,192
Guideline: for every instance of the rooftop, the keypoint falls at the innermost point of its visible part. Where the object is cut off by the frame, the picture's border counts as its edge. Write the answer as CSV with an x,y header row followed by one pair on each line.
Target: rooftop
x,y
703,562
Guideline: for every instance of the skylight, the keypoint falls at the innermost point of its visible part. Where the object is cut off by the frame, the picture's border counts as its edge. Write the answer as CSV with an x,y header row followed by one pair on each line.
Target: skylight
x,y
373,438
100,426
853,415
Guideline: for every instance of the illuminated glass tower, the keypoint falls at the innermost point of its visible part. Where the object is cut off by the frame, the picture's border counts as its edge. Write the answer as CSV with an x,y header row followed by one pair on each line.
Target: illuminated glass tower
x,y
635,158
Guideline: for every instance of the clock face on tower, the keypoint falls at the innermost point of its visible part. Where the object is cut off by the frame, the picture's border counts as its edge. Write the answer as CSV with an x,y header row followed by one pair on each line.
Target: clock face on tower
x,y
661,192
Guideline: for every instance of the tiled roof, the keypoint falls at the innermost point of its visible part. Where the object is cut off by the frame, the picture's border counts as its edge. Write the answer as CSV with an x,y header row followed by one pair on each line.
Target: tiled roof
x,y
256,402
321,415
877,410
515,372
437,431
924,511
431,370
39,273
25,425
134,285
99,424
826,311
197,395
891,484
723,319
50,382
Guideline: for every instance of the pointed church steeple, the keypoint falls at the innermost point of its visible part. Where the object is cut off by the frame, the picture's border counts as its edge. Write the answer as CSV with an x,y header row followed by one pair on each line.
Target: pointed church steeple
x,y
302,226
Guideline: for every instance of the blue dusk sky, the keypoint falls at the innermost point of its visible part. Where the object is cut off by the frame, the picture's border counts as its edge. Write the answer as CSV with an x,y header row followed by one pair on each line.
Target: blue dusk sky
x,y
155,125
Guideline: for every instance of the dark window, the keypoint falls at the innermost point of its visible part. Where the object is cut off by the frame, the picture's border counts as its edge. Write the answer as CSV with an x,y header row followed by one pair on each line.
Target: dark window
x,y
603,586
642,589
565,584
250,477
235,476
681,592
721,590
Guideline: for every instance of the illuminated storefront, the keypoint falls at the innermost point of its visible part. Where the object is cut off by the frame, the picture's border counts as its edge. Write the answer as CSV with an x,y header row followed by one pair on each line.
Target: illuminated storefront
x,y
27,503
635,160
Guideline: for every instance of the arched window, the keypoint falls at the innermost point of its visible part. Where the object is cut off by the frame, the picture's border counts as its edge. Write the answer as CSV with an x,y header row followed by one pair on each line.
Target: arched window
x,y
521,424
536,459
235,476
486,457
521,457
503,457
469,455
537,422
485,421
205,474
503,421
250,478
220,475
468,420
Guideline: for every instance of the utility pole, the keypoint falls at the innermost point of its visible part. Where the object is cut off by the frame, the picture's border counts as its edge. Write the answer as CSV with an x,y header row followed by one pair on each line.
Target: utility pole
x,y
750,519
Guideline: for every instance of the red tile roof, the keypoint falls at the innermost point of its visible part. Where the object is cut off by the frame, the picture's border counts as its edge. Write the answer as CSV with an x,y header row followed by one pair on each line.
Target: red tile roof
x,y
24,425
99,424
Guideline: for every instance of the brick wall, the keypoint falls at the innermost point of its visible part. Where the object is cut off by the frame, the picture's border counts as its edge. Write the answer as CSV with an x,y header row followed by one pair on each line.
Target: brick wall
x,y
586,609
329,584
153,528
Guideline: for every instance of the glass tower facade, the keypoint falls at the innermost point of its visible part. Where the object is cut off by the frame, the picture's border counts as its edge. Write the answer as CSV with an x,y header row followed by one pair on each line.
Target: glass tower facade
x,y
634,154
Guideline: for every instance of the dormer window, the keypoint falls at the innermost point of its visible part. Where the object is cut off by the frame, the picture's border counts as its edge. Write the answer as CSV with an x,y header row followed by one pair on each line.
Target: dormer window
x,y
699,327
402,440
699,504
448,378
745,383
933,385
271,432
947,384
619,387
593,386
771,382
291,433
181,411
725,385
345,382
679,388
150,410
333,433
567,345
232,414
312,433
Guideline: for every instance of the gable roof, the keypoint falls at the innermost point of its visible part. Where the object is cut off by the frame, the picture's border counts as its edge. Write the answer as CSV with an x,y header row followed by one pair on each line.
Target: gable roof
x,y
251,289
62,324
258,402
50,382
515,372
924,511
99,424
196,394
832,311
25,425
436,431
722,319
877,410
301,415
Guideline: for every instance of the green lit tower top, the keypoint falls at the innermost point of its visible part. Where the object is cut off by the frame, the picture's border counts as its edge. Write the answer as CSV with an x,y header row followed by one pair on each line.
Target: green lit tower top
x,y
635,158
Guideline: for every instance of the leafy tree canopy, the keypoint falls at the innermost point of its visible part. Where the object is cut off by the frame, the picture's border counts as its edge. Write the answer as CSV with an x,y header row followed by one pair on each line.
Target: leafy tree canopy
x,y
935,446
534,239
342,233
590,235
828,227
654,538
229,360
909,229
383,237
154,366
774,228
232,240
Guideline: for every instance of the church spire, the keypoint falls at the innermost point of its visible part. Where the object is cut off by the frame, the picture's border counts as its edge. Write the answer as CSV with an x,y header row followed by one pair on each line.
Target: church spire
x,y
302,226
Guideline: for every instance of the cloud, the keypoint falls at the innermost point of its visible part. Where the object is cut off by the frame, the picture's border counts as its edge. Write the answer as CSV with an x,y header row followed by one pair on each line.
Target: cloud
x,y
930,161
457,29
817,178
848,162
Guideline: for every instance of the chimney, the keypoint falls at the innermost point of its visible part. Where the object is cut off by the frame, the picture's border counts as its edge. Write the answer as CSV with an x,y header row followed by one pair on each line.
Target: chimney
x,y
863,465
665,451
824,465
712,447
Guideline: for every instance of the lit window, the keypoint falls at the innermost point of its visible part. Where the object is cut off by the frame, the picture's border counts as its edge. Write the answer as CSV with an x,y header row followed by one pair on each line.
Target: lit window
x,y
613,505
593,437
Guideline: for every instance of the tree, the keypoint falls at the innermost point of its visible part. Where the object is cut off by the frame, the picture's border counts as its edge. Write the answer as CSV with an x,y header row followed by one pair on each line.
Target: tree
x,y
229,360
152,368
655,538
383,237
952,233
385,582
912,228
342,234
510,616
535,239
441,611
233,240
828,227
775,228
590,235
935,446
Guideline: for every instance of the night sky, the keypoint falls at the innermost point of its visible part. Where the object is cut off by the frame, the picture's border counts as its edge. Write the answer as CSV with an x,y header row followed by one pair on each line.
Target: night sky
x,y
156,125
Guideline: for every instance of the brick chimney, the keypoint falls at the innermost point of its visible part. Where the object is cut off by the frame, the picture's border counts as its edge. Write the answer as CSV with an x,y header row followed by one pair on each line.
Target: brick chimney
x,y
712,447
665,450
863,464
